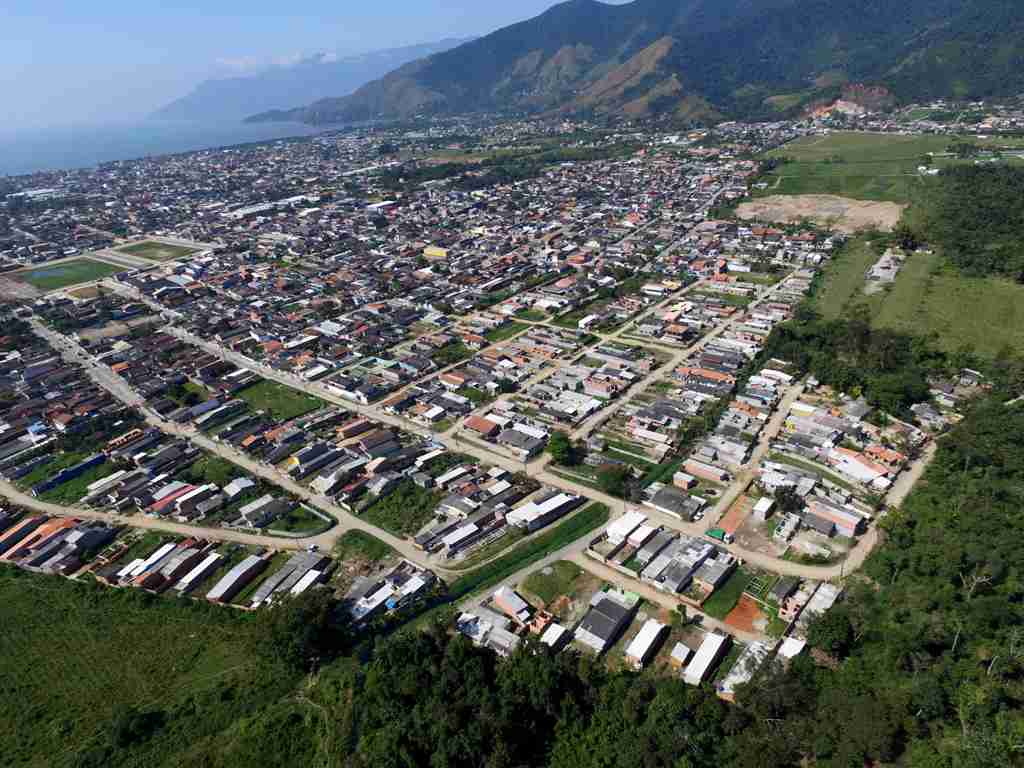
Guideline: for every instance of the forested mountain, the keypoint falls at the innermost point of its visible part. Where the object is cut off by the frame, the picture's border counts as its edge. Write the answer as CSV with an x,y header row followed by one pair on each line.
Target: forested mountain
x,y
313,78
703,58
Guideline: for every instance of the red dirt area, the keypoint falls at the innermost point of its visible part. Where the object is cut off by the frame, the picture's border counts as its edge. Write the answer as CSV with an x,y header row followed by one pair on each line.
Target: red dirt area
x,y
745,615
736,514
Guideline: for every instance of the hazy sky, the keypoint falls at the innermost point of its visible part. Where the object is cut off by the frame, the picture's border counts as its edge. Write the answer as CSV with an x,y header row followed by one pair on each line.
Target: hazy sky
x,y
74,61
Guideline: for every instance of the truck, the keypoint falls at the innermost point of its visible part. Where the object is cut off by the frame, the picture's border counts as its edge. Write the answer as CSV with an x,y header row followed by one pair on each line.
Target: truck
x,y
719,534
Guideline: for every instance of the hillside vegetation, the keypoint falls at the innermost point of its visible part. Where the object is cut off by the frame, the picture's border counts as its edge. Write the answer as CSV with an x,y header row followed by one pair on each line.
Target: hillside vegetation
x,y
700,59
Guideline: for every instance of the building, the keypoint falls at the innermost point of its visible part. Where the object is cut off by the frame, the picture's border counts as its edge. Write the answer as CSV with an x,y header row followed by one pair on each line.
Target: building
x,y
710,652
604,624
743,671
645,645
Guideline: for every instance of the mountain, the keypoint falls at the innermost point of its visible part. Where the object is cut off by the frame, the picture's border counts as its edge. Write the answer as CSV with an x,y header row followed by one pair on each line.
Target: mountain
x,y
313,78
704,59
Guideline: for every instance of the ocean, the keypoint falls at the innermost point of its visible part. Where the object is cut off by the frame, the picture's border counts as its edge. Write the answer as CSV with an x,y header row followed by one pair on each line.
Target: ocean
x,y
85,146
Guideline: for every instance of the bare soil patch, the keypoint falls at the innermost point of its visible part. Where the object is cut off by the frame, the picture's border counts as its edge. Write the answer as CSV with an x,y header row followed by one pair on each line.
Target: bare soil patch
x,y
746,616
841,213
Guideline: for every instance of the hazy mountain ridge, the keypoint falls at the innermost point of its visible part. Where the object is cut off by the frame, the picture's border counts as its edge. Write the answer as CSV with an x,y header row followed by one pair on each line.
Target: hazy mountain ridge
x,y
313,78
703,58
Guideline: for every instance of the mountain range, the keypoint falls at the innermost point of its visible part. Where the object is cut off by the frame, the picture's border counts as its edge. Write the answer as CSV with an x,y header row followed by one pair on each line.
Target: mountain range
x,y
312,78
704,59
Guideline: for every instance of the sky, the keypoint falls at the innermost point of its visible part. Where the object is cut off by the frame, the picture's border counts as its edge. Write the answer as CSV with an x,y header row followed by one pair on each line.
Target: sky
x,y
72,62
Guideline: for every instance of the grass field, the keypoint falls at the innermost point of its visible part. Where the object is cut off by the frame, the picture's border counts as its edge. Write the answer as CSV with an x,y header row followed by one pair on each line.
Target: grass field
x,y
929,298
300,520
844,279
859,165
281,402
558,580
96,676
507,332
724,599
150,249
50,278
984,314
358,544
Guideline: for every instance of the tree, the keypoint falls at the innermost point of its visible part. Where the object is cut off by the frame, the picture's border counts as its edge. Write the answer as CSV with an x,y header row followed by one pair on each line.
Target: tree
x,y
562,450
301,631
613,479
831,632
788,500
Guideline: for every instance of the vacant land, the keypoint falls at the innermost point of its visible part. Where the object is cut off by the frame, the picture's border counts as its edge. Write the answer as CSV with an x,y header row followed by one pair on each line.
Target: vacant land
x,y
150,249
863,166
840,213
724,599
116,677
54,276
506,332
844,278
556,580
985,314
405,510
281,402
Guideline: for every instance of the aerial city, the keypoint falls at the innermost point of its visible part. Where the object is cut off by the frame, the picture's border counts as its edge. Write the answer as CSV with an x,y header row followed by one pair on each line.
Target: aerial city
x,y
634,384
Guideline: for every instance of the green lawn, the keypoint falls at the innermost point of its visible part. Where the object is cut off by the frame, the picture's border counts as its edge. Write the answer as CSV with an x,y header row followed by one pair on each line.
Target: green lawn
x,y
558,581
150,249
506,332
50,278
533,315
97,676
281,402
724,599
984,314
864,166
537,548
357,544
300,520
72,491
63,461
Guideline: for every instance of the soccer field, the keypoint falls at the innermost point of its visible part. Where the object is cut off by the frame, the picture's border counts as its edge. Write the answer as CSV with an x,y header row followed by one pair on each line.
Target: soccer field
x,y
52,277
150,249
864,166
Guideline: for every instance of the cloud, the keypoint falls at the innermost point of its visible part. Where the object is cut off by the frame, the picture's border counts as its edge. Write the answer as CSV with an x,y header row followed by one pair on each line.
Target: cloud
x,y
240,65
251,65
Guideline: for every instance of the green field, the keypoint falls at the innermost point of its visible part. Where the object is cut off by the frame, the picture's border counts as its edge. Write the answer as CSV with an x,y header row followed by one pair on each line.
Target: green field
x,y
844,279
558,580
984,314
506,332
50,278
863,166
281,402
150,249
929,298
724,599
93,676
356,544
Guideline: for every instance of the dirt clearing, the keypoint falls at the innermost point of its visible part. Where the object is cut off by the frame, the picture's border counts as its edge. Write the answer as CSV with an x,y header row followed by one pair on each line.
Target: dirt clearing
x,y
839,213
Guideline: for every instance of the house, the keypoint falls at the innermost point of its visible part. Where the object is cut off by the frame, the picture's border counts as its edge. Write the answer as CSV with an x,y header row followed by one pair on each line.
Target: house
x,y
711,650
645,645
512,605
604,623
483,427
743,671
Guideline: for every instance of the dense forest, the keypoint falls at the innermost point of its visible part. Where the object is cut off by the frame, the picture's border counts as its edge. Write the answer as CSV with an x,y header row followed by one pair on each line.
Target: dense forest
x,y
975,216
